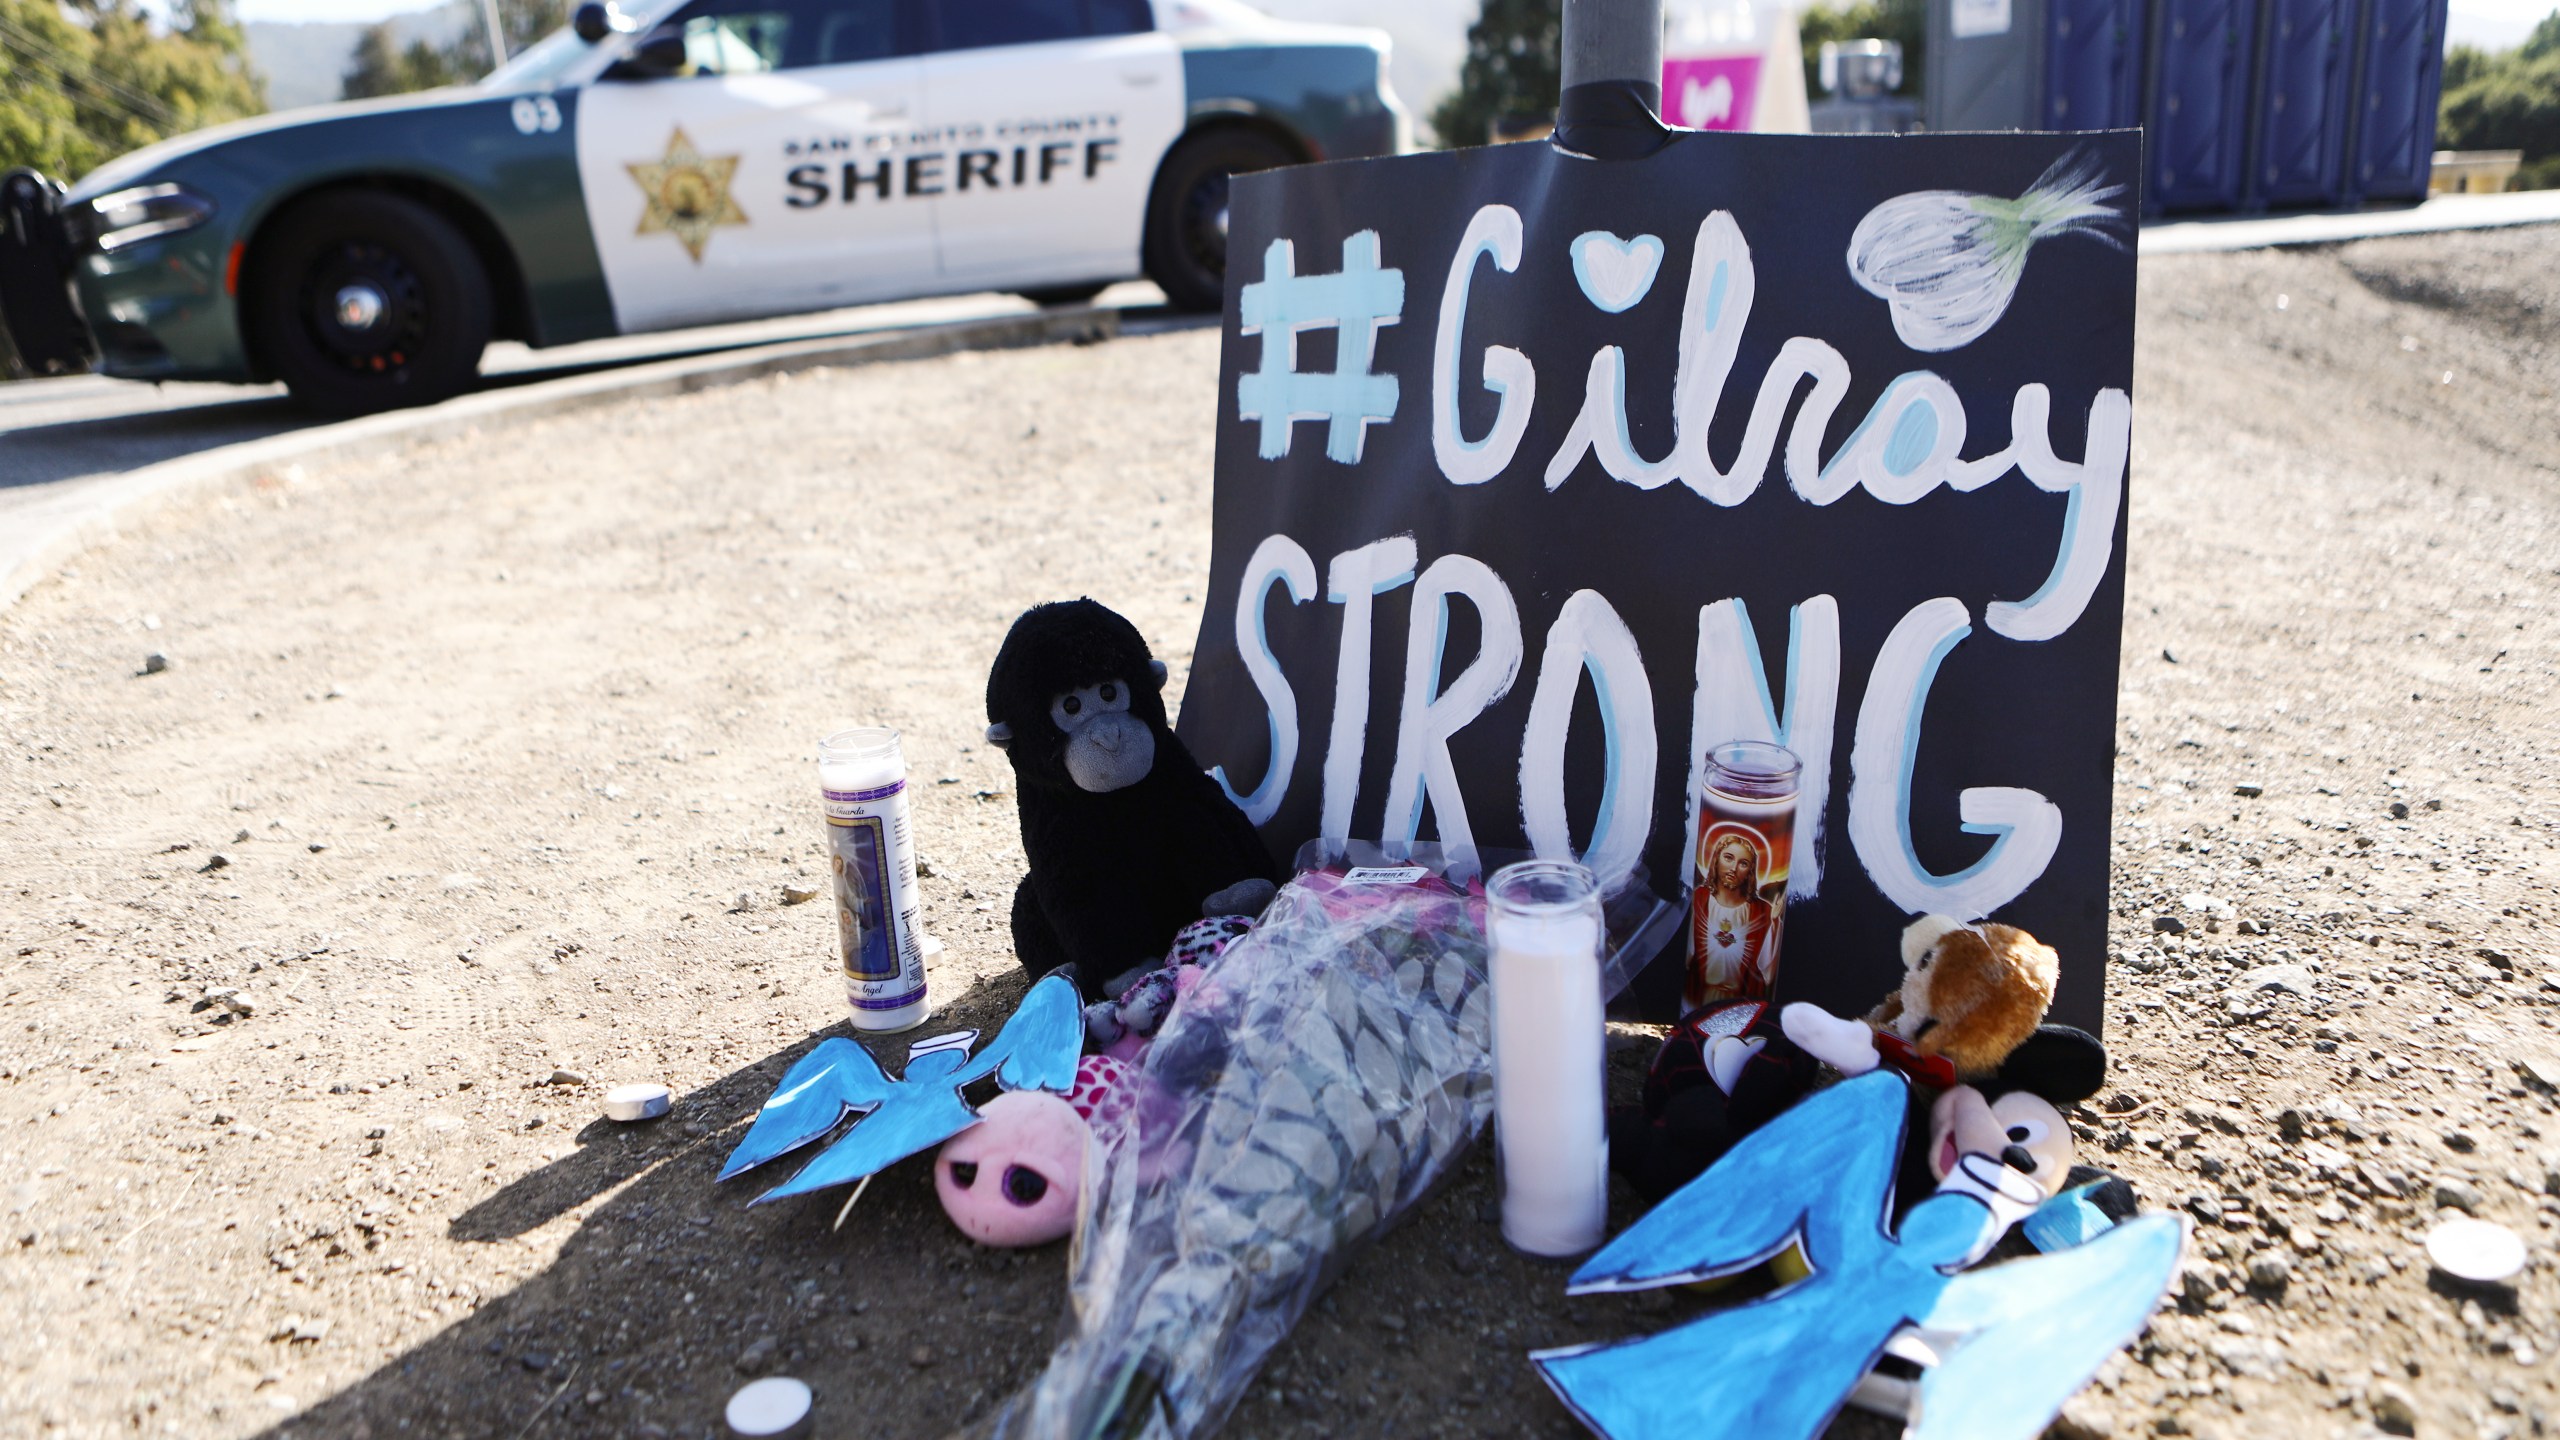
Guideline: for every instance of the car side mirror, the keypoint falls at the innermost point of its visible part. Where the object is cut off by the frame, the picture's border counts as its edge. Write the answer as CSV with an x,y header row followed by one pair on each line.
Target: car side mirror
x,y
597,19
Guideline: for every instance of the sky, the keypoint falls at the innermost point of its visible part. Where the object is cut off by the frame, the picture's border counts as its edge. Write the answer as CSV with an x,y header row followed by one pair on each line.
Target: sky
x,y
295,11
1431,34
2493,24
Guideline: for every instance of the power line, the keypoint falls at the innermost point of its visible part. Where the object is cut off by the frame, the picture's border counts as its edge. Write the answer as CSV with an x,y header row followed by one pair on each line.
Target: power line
x,y
106,102
69,67
64,67
71,119
64,82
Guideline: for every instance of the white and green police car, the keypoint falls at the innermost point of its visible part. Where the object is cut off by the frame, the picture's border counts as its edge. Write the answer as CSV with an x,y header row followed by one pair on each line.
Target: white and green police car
x,y
696,161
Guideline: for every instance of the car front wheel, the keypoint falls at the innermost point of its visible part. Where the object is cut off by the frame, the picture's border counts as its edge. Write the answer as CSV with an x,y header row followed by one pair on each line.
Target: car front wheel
x,y
1186,243
362,301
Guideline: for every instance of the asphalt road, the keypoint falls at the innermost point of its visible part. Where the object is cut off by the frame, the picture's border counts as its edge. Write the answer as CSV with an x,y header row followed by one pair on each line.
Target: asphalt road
x,y
57,434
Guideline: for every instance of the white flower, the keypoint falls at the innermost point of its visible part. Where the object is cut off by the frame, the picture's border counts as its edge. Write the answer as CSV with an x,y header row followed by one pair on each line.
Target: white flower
x,y
1947,261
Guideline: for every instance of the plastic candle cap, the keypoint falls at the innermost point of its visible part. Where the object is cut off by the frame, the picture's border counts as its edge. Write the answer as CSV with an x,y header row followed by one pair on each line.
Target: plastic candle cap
x,y
771,1406
2475,1250
627,1103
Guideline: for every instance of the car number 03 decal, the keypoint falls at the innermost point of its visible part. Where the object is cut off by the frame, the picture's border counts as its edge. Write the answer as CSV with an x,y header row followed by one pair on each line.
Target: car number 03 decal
x,y
535,115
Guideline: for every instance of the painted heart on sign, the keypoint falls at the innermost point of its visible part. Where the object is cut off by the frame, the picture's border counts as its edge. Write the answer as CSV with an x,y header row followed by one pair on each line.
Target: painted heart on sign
x,y
1615,273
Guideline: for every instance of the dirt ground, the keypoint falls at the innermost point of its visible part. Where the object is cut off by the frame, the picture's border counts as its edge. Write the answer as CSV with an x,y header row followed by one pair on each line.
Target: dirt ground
x,y
486,760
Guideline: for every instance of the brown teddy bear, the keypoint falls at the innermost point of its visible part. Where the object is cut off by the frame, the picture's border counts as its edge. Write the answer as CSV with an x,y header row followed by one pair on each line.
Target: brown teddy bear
x,y
1971,994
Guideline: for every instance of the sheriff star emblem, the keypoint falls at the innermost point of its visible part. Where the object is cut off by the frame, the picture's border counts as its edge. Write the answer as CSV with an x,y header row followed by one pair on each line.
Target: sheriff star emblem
x,y
688,193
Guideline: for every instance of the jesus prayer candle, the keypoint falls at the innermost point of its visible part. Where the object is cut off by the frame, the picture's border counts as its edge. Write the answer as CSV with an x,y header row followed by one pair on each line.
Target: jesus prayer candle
x,y
1738,899
1549,1063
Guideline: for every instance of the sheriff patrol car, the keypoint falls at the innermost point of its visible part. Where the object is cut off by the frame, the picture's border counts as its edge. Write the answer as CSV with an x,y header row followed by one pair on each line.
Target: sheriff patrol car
x,y
692,162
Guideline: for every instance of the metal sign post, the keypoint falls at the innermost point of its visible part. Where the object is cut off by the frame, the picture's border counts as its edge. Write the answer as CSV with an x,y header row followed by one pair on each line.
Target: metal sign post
x,y
1612,74
1613,40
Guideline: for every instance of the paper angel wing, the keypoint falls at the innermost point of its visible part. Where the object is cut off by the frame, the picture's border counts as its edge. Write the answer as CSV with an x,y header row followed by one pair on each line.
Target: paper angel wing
x,y
1823,1171
1038,1048
837,1077
2035,1330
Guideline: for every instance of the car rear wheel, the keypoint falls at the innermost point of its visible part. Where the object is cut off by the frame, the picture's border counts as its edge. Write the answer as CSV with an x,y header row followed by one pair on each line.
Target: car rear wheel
x,y
1186,244
361,301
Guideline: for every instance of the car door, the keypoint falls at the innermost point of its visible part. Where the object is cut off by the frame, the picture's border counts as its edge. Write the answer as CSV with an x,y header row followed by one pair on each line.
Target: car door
x,y
1056,113
766,178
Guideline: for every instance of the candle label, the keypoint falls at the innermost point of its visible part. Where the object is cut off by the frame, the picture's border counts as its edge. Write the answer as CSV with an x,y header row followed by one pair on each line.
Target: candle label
x,y
871,859
1738,900
1384,875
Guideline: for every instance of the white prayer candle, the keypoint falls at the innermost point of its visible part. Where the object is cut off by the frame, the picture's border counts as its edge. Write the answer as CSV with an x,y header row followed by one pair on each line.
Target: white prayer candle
x,y
1549,1057
871,860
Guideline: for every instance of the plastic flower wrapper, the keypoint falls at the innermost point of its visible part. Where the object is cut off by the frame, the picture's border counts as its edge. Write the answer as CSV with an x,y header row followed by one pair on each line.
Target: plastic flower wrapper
x,y
1947,262
1320,1078
1317,1082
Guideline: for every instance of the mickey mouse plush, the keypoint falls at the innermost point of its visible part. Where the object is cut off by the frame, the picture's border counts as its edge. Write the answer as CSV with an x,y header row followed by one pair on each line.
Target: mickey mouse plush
x,y
1124,834
2005,1140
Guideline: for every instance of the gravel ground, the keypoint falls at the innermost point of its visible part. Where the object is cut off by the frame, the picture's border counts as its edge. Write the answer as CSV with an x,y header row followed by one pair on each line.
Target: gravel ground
x,y
478,771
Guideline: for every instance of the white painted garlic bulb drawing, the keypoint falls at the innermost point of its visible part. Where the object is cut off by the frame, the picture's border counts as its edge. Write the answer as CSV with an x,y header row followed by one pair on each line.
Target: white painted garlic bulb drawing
x,y
1947,261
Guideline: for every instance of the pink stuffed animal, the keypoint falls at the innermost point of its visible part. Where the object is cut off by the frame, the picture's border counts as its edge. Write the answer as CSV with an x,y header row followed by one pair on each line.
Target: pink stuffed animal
x,y
1011,1179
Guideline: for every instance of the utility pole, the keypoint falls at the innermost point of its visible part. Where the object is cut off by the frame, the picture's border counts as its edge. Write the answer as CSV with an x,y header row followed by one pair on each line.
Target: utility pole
x,y
1612,74
498,36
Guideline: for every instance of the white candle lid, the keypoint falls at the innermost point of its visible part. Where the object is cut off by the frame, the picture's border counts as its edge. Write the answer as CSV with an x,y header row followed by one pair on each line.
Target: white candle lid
x,y
2475,1250
627,1103
770,1406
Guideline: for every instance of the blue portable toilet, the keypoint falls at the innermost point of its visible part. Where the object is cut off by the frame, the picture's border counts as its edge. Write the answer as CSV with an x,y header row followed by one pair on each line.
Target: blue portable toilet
x,y
2306,54
2034,64
2093,64
2399,75
2197,104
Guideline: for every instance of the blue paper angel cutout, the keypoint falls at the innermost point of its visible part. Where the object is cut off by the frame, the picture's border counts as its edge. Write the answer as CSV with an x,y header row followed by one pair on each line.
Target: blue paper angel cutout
x,y
2034,1331
1036,1050
2017,1339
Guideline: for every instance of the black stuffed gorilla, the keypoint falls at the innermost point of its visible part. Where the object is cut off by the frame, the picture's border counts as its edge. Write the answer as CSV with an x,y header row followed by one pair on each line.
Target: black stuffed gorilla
x,y
1124,835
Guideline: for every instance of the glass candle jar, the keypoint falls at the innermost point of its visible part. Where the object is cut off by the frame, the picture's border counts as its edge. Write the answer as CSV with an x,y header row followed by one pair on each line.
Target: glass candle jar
x,y
871,864
1549,1056
1738,895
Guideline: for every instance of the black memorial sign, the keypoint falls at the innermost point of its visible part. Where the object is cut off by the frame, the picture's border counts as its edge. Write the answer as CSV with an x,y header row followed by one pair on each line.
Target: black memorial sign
x,y
1538,475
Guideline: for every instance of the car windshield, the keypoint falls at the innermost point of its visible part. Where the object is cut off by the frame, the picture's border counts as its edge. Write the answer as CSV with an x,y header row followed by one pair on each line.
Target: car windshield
x,y
547,61
540,65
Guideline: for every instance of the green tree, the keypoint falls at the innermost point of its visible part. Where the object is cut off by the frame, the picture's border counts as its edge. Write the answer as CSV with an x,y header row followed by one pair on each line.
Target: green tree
x,y
84,82
1512,68
2462,65
2544,40
39,124
1906,21
2507,100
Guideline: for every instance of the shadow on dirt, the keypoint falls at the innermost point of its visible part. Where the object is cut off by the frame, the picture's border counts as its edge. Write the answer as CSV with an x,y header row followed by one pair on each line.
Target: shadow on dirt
x,y
671,1291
